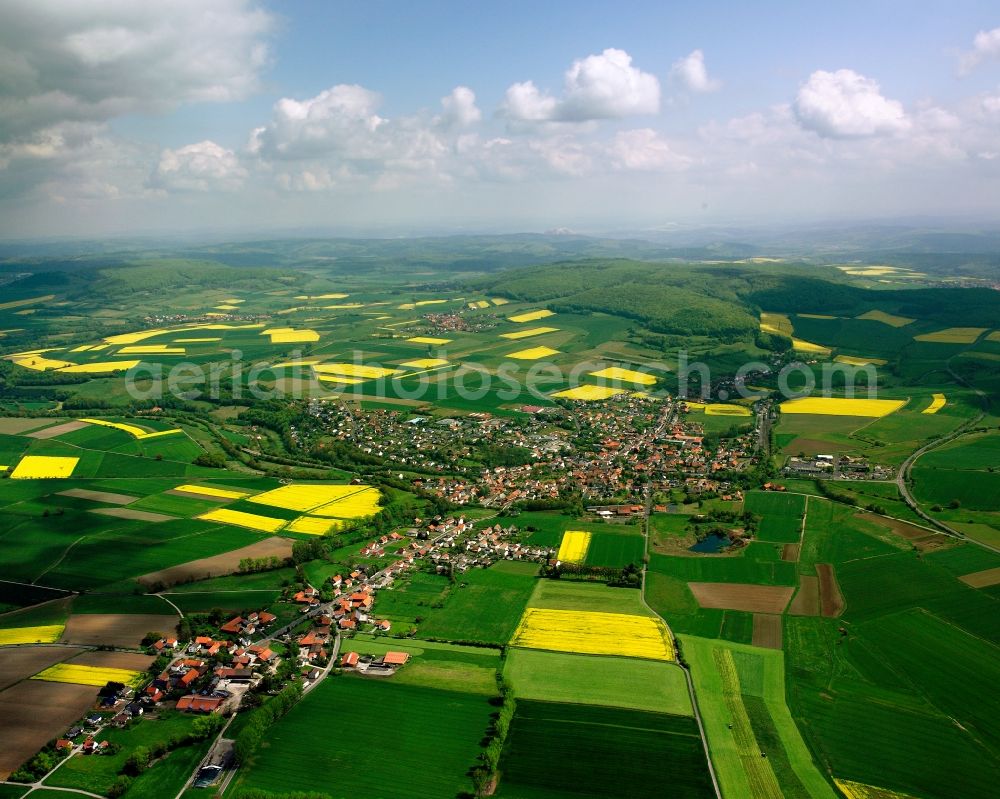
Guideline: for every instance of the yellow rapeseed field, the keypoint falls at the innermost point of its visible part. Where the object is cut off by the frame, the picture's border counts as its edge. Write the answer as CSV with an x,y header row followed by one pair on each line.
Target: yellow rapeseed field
x,y
34,467
353,506
628,375
535,331
289,335
531,316
850,360
312,525
343,381
344,306
858,790
887,318
425,363
427,339
290,364
836,406
589,393
533,354
938,401
953,335
142,335
591,633
331,296
100,367
353,370
305,496
211,491
226,307
479,304
87,675
815,316
994,336
238,518
44,634
40,364
574,546
799,345
499,301
131,429
721,409
777,323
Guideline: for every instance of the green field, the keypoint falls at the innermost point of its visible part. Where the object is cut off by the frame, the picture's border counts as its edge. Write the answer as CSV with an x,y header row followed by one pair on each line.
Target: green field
x,y
567,595
485,605
433,664
565,750
428,739
736,737
614,551
593,680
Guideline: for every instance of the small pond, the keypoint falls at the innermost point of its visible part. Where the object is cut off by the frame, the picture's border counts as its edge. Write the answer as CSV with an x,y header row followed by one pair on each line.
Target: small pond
x,y
711,543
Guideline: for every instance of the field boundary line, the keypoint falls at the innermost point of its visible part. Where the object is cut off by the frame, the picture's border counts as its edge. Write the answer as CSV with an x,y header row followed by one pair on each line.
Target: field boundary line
x,y
61,559
179,611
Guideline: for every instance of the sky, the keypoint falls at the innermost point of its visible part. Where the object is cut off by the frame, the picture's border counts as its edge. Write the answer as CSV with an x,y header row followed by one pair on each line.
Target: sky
x,y
125,117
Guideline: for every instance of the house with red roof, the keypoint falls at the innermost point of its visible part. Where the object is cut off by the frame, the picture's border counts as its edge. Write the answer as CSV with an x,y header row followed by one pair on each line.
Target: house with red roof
x,y
192,703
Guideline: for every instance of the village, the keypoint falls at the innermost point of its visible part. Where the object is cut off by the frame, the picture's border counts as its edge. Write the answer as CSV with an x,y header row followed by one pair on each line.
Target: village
x,y
613,453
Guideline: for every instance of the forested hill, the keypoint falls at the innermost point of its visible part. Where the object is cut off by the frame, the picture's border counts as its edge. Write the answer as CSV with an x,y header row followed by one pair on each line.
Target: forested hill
x,y
725,300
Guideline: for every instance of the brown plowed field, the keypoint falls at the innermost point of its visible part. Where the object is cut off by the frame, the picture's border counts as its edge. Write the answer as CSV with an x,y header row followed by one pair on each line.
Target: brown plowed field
x,y
114,660
790,552
57,430
99,496
767,630
983,579
218,565
806,601
115,629
20,662
742,596
830,599
33,712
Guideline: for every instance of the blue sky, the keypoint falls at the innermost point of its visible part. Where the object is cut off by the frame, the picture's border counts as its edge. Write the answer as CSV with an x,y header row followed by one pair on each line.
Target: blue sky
x,y
235,114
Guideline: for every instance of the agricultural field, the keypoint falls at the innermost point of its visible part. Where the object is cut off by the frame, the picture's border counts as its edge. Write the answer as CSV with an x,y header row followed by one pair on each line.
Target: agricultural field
x,y
593,633
589,680
551,749
422,765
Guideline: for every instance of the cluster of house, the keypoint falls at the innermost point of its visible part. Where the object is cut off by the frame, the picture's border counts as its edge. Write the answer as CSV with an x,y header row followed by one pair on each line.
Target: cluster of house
x,y
618,451
386,665
210,671
838,466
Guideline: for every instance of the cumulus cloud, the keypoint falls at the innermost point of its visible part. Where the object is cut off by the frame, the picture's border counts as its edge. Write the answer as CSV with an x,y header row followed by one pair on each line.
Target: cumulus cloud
x,y
845,104
459,108
204,166
94,60
603,86
691,74
985,47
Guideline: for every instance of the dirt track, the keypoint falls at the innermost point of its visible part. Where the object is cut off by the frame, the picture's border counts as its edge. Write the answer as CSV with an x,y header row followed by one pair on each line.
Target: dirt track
x,y
115,629
218,565
742,596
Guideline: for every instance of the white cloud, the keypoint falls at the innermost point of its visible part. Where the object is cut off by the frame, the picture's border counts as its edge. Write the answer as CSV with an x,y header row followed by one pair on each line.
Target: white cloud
x,y
644,149
204,166
845,104
690,73
985,47
94,60
460,108
604,86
